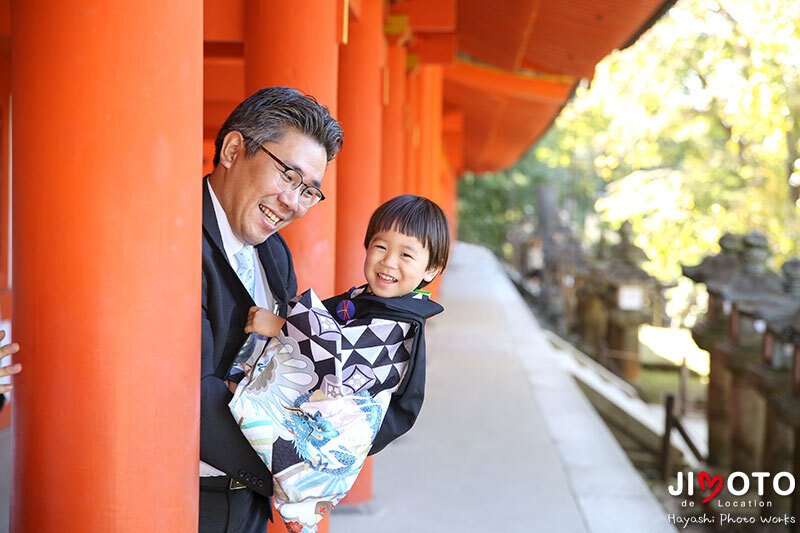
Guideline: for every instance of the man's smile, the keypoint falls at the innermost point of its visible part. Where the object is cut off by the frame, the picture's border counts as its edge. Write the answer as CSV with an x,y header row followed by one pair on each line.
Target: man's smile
x,y
271,215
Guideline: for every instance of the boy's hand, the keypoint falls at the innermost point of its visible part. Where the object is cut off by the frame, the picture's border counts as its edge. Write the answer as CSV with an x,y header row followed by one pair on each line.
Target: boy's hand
x,y
262,322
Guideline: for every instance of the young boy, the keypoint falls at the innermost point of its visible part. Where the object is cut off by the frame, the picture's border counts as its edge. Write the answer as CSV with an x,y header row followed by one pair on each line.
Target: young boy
x,y
407,245
335,391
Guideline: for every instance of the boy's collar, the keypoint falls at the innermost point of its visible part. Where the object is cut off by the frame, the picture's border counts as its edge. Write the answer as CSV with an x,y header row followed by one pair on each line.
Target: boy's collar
x,y
415,303
419,294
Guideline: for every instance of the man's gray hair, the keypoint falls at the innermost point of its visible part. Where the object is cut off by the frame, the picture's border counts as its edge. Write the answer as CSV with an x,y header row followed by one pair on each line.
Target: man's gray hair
x,y
268,114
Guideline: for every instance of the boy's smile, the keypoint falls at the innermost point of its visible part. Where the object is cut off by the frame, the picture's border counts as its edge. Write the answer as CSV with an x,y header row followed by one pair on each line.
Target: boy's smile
x,y
396,264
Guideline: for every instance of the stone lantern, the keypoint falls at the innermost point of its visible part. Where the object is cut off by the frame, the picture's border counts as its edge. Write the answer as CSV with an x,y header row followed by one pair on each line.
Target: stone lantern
x,y
629,298
592,315
520,236
766,371
783,417
727,260
779,435
750,286
563,265
715,270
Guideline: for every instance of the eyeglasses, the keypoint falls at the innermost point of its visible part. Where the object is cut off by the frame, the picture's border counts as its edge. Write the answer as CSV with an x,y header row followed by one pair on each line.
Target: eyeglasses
x,y
290,179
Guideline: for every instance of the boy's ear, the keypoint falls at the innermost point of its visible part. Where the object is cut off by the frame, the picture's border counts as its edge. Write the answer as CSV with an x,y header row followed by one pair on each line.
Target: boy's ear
x,y
431,273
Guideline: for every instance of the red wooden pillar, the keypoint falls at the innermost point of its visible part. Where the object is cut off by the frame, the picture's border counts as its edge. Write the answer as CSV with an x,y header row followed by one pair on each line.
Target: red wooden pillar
x,y
359,167
296,44
5,189
430,128
412,134
453,140
448,203
395,124
359,180
107,208
424,139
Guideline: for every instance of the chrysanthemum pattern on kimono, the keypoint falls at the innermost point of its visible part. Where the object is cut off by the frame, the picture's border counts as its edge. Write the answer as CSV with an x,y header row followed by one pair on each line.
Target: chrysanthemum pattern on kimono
x,y
313,401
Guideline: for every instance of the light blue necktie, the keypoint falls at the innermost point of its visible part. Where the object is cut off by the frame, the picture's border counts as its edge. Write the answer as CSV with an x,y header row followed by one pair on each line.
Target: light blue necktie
x,y
247,269
247,274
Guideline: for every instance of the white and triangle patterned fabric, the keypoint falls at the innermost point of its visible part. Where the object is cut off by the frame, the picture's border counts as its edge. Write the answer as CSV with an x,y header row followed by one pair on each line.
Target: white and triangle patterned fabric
x,y
360,347
312,402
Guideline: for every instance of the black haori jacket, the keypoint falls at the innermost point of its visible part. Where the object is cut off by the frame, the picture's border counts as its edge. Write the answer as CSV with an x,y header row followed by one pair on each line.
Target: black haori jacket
x,y
413,308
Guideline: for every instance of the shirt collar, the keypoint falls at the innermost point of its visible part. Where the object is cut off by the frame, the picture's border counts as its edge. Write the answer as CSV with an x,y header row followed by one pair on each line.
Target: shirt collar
x,y
231,243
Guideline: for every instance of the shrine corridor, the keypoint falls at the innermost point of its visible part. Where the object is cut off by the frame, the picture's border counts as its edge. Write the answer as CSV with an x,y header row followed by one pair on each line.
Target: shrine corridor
x,y
506,441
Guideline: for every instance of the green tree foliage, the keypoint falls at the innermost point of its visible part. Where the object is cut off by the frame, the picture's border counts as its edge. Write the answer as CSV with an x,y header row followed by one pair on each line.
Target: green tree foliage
x,y
691,132
489,205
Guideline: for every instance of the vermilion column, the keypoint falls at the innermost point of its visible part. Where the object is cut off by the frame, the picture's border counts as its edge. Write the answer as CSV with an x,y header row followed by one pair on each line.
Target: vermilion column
x,y
395,124
449,203
424,138
359,167
6,300
412,133
430,90
107,136
296,43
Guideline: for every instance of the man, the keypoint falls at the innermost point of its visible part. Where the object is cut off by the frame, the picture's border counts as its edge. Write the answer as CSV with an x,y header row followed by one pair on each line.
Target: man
x,y
271,155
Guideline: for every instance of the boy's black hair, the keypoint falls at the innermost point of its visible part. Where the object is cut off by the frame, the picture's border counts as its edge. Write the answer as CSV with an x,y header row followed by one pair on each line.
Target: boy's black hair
x,y
416,217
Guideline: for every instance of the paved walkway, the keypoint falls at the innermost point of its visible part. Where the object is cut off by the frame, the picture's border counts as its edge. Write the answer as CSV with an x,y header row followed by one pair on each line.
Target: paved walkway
x,y
506,441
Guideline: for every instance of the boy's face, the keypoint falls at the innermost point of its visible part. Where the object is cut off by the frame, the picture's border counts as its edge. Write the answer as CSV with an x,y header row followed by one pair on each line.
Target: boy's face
x,y
396,264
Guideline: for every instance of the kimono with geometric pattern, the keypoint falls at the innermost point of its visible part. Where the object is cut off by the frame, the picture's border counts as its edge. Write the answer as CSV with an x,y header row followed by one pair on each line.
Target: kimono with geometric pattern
x,y
341,381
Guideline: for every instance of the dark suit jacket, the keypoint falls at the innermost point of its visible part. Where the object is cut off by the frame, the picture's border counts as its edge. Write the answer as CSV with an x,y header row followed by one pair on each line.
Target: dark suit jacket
x,y
225,306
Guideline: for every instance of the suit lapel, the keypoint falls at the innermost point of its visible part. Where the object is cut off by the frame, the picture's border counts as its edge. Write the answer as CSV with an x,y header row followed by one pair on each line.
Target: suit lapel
x,y
211,227
276,282
210,224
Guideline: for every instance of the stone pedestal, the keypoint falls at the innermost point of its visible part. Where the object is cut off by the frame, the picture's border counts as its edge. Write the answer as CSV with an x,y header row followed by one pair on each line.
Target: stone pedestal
x,y
718,408
777,442
593,324
747,410
783,421
623,342
709,334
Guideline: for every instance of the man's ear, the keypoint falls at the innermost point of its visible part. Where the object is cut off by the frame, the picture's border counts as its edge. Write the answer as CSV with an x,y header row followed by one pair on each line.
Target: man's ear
x,y
232,147
431,273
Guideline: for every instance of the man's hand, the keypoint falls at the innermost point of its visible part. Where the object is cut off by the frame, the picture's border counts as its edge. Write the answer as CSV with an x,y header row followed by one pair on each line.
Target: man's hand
x,y
262,322
8,370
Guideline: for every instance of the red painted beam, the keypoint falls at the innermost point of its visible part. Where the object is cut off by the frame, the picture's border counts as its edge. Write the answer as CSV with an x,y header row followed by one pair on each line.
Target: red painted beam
x,y
223,80
434,48
427,16
501,83
223,20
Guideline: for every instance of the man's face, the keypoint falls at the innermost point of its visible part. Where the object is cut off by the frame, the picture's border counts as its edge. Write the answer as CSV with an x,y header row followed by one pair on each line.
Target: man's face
x,y
250,193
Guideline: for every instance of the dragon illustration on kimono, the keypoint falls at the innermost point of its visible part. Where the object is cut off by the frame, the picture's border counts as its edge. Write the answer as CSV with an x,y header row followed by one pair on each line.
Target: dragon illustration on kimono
x,y
313,401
